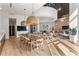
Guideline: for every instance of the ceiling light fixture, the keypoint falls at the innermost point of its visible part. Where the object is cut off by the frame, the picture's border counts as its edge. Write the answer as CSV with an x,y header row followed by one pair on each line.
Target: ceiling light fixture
x,y
11,5
23,23
32,19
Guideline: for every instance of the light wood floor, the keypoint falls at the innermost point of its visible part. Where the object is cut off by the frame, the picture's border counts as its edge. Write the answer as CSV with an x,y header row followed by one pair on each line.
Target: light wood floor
x,y
53,47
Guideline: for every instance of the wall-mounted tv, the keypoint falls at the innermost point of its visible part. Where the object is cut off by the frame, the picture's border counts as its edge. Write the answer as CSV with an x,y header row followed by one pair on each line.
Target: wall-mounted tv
x,y
65,27
21,28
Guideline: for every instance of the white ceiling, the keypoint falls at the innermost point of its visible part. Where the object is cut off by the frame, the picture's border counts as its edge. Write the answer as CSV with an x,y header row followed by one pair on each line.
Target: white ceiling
x,y
18,8
46,12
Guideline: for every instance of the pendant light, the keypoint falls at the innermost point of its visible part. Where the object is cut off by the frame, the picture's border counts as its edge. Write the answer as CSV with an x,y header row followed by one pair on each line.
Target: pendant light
x,y
11,5
32,19
23,23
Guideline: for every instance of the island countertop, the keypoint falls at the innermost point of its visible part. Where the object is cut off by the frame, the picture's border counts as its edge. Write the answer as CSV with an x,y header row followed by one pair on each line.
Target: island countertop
x,y
1,36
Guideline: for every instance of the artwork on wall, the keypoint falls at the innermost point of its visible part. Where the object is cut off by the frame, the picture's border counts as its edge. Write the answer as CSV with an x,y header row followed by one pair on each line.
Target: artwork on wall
x,y
45,26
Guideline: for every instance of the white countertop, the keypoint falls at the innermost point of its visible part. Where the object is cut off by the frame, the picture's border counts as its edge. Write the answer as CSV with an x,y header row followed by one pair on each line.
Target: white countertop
x,y
1,36
64,34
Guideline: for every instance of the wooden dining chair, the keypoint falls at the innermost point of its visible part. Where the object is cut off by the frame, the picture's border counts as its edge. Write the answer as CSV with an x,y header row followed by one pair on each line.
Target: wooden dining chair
x,y
38,43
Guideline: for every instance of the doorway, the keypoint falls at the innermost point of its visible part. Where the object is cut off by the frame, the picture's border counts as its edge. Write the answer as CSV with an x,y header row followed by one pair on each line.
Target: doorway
x,y
12,26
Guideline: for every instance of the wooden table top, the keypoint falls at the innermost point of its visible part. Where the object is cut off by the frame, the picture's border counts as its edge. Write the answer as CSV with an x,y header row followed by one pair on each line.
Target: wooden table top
x,y
32,37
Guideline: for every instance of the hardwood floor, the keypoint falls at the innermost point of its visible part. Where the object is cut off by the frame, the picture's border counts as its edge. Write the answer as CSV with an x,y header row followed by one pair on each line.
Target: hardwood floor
x,y
53,47
12,47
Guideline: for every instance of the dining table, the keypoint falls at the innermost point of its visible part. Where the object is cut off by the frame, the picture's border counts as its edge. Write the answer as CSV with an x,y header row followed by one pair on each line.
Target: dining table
x,y
33,40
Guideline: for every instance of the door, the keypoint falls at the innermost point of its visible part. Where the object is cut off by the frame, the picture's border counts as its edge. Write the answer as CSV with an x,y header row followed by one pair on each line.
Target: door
x,y
11,30
12,27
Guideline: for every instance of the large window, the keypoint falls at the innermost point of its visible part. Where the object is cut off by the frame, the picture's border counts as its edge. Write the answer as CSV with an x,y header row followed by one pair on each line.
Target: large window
x,y
73,21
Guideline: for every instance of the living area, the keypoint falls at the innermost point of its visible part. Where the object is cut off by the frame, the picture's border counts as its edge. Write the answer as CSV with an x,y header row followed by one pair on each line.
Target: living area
x,y
45,29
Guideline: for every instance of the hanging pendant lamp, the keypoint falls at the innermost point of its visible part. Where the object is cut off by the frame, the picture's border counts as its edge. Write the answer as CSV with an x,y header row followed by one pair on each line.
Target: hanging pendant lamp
x,y
32,19
23,22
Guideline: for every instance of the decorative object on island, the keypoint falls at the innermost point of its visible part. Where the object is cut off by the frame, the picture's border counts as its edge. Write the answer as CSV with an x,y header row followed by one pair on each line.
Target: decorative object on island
x,y
73,31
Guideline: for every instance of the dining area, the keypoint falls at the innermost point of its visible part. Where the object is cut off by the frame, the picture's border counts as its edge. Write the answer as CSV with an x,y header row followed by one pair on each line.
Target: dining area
x,y
31,41
38,44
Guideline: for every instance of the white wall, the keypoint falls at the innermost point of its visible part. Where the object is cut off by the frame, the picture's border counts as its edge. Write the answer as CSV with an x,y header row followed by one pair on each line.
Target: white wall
x,y
46,12
4,24
46,17
45,23
0,21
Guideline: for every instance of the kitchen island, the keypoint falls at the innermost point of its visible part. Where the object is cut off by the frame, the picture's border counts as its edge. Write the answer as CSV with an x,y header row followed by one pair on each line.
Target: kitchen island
x,y
2,41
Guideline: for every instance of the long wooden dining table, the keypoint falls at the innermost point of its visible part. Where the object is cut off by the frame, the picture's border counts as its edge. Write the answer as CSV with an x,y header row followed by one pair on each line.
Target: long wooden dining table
x,y
33,41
